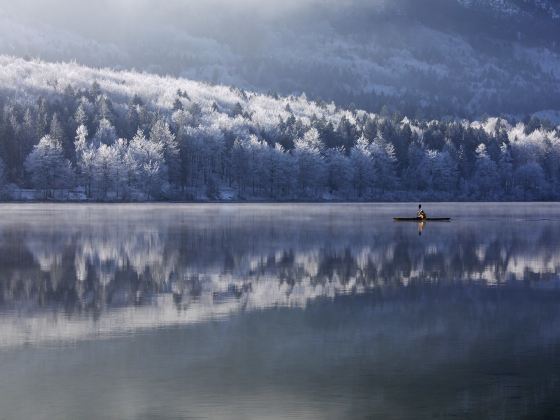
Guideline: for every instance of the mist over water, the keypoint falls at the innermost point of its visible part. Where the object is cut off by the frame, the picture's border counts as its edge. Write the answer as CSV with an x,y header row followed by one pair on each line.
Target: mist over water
x,y
268,311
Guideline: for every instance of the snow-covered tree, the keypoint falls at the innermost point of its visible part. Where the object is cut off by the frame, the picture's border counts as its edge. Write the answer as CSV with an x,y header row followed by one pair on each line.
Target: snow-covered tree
x,y
310,164
282,173
146,165
105,134
361,164
265,147
384,164
120,169
338,171
47,166
85,159
485,179
161,134
505,168
56,129
240,166
81,116
105,163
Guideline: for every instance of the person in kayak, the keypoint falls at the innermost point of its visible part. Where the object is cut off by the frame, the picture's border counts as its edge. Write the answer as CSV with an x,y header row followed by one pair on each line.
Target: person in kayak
x,y
421,213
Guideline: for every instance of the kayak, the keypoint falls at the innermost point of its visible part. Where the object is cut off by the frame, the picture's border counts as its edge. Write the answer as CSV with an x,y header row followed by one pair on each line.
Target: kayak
x,y
417,219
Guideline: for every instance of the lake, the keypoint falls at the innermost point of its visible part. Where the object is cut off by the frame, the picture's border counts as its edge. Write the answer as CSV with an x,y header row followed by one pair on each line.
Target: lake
x,y
306,311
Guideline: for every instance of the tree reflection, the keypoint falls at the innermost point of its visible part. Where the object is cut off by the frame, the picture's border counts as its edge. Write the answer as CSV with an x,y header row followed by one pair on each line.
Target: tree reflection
x,y
87,266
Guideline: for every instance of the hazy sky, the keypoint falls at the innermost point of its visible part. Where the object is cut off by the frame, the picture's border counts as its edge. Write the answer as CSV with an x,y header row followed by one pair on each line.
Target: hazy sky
x,y
80,12
426,48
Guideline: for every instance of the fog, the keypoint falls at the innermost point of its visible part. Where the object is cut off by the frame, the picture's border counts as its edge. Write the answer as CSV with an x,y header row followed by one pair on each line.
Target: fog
x,y
110,20
62,9
432,58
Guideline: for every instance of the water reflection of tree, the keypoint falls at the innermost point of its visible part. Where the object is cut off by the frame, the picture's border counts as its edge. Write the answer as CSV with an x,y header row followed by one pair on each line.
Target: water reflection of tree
x,y
92,266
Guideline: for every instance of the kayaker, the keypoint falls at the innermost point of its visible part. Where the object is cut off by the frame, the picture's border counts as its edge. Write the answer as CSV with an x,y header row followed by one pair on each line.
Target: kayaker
x,y
421,213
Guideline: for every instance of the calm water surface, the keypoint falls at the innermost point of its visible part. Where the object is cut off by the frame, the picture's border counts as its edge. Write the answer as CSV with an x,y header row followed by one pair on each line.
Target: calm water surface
x,y
279,311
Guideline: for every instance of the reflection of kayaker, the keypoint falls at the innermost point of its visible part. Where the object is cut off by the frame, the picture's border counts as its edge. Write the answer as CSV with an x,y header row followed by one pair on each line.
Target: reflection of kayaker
x,y
421,213
421,226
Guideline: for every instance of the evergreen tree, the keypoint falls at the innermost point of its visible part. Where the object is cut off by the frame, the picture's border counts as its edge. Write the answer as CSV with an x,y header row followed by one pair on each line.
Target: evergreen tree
x,y
285,148
384,164
161,134
445,172
81,116
106,133
505,168
47,166
310,165
530,181
338,170
485,179
362,167
2,176
57,132
146,165
85,159
104,170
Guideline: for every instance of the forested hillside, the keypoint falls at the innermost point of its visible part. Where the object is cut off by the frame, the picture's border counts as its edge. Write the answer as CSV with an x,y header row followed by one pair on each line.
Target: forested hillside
x,y
73,132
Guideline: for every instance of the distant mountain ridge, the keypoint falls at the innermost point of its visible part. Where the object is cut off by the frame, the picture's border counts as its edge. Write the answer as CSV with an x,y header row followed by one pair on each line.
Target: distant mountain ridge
x,y
429,58
516,7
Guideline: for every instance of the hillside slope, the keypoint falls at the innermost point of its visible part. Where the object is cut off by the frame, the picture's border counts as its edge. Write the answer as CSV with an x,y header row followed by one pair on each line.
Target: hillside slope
x,y
116,135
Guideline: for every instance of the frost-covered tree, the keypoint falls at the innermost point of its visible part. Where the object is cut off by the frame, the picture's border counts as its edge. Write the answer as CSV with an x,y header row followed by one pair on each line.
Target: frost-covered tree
x,y
105,134
310,164
56,129
240,166
105,108
120,169
105,163
161,134
505,168
338,171
270,170
47,166
42,120
384,164
254,172
361,164
282,174
485,179
81,116
146,165
202,139
85,159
